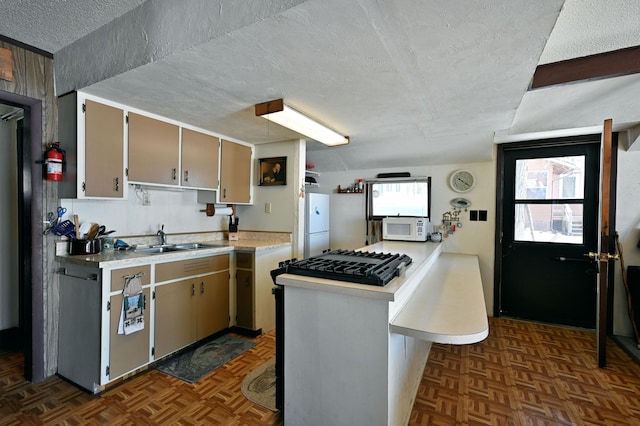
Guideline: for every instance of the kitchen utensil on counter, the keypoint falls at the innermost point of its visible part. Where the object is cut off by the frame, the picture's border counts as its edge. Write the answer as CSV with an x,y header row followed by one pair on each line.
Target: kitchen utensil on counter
x,y
233,228
61,211
76,222
92,232
85,246
84,230
120,245
51,222
65,228
436,237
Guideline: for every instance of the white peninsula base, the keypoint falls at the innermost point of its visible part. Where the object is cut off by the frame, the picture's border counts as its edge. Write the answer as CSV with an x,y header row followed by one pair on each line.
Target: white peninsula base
x,y
347,361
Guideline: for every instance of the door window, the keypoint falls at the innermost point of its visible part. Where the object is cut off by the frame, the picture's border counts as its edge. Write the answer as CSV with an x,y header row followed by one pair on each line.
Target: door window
x,y
549,199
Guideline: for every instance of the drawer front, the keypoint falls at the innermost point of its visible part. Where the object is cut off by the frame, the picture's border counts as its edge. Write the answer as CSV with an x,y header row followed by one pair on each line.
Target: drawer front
x,y
186,268
244,260
118,275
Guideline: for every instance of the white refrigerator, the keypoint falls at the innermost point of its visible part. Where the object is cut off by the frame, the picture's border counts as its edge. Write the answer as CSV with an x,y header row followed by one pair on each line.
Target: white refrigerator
x,y
316,228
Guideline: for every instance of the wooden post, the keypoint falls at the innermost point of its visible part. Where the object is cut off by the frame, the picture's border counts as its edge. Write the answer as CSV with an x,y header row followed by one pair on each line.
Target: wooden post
x,y
605,234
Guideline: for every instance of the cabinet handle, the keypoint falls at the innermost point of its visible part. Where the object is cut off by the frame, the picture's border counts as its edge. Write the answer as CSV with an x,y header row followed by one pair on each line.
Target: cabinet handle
x,y
186,175
224,193
174,175
116,184
247,283
193,289
202,287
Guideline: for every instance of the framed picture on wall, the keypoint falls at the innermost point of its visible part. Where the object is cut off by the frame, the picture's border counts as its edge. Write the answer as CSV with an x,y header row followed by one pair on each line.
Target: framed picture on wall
x,y
273,171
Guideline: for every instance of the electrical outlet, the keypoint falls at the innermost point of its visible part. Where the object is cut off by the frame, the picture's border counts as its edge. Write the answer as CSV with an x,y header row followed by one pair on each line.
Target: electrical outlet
x,y
267,207
146,199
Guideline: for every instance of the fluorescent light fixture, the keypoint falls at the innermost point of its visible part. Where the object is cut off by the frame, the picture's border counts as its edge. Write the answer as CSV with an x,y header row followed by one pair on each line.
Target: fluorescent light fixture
x,y
288,117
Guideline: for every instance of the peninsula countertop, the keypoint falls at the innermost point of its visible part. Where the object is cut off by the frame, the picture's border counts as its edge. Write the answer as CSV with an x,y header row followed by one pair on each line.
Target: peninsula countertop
x,y
421,253
437,298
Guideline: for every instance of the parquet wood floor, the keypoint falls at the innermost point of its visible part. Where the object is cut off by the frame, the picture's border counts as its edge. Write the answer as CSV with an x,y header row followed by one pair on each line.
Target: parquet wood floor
x,y
528,374
522,374
150,398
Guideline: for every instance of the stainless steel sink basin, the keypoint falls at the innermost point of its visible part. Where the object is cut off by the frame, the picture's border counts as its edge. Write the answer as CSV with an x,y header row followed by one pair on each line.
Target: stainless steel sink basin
x,y
196,246
157,250
167,248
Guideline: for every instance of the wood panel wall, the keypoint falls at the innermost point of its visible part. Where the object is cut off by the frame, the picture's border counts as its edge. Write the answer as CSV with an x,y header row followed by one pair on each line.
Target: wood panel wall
x,y
32,80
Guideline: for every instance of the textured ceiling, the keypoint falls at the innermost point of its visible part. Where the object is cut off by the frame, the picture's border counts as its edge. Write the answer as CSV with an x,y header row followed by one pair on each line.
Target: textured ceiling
x,y
411,83
50,25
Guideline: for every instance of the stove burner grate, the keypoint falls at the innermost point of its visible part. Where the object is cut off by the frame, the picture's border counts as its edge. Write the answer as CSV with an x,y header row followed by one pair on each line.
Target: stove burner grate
x,y
348,265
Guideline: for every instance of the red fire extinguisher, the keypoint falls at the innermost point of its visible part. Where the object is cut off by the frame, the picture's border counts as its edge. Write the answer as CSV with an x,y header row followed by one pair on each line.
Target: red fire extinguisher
x,y
54,158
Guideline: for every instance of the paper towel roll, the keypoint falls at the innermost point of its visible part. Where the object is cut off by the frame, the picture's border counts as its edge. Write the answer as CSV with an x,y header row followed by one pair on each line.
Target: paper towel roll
x,y
223,211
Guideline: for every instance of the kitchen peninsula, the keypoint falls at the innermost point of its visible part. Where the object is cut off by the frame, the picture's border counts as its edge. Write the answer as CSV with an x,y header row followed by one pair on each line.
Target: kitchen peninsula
x,y
354,353
187,295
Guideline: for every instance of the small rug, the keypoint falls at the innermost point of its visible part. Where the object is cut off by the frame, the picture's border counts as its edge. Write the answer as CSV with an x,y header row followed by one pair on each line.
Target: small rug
x,y
196,363
259,385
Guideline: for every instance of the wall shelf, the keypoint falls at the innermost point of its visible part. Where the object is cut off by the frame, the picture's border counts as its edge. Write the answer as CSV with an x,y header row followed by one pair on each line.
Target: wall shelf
x,y
349,190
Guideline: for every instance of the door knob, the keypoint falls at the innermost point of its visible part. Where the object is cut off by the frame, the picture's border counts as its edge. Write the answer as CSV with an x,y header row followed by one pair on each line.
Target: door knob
x,y
604,257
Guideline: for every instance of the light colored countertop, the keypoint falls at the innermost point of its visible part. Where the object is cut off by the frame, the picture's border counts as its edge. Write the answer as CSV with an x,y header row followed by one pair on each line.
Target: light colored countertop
x,y
448,306
438,298
118,258
420,253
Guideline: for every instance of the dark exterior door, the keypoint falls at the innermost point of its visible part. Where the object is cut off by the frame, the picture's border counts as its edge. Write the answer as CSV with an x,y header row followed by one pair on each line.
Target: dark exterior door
x,y
549,225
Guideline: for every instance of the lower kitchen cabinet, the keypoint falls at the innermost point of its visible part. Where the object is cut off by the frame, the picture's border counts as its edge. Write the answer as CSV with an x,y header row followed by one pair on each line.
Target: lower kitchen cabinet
x,y
127,352
244,298
212,304
192,308
191,302
90,350
175,317
255,305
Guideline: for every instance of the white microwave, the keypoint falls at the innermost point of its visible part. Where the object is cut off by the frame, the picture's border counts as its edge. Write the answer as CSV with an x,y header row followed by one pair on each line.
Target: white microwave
x,y
405,228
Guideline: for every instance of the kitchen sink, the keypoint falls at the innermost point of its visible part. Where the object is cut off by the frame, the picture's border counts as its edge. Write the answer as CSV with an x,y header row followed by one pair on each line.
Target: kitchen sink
x,y
158,249
167,248
196,246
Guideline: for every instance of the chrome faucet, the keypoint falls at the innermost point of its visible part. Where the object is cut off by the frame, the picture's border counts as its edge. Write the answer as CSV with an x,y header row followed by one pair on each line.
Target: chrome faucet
x,y
163,236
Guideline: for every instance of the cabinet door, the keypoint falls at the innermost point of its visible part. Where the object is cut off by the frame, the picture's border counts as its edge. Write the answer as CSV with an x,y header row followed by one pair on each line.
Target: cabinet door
x,y
213,304
200,155
127,352
235,173
104,151
154,150
244,298
175,318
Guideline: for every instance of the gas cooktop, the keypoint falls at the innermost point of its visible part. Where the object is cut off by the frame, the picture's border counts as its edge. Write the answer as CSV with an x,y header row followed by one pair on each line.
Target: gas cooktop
x,y
359,267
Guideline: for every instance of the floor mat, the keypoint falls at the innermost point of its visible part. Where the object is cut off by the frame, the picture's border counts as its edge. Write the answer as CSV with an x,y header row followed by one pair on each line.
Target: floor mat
x,y
196,363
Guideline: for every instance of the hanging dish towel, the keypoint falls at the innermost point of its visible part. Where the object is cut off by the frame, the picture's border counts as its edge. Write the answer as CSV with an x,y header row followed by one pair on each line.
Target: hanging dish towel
x,y
132,313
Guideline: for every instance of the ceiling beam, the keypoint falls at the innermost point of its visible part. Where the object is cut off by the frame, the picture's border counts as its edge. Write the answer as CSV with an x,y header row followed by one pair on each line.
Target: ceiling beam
x,y
602,65
633,138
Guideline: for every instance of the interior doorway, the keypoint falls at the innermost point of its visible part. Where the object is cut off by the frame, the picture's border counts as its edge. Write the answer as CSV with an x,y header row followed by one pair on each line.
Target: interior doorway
x,y
549,197
30,244
11,133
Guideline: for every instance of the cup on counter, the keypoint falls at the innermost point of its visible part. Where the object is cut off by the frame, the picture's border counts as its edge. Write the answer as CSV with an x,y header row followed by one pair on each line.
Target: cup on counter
x,y
108,243
436,237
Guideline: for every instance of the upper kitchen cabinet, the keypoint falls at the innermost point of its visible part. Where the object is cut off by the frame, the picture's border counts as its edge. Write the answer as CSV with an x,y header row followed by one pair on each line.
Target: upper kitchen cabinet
x,y
92,134
200,155
235,173
154,151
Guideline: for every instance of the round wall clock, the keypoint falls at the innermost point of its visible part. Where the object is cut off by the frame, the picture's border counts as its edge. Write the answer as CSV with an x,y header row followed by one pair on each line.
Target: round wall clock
x,y
462,181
